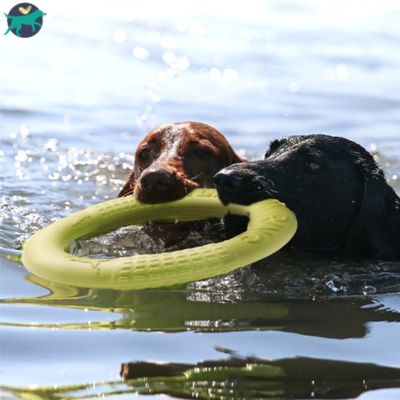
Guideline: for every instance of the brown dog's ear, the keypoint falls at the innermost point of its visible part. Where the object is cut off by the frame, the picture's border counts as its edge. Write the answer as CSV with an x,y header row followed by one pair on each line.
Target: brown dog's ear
x,y
376,229
129,186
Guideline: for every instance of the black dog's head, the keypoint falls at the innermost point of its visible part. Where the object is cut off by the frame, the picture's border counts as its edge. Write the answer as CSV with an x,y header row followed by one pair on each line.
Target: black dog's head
x,y
333,185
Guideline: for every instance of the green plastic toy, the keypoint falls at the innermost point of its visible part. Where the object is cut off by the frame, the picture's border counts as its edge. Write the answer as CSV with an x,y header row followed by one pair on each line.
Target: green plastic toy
x,y
271,226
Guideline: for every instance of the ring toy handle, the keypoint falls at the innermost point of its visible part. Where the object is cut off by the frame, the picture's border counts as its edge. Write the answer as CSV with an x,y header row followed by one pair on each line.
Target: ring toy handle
x,y
271,226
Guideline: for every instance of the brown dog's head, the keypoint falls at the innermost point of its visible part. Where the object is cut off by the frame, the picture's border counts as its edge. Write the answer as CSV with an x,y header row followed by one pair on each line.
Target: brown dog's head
x,y
176,158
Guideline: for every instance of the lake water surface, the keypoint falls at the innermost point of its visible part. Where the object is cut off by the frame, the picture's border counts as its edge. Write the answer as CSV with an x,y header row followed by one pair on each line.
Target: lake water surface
x,y
74,102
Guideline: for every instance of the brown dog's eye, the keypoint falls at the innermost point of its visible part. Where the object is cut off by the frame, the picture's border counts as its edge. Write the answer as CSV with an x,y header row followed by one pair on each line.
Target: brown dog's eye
x,y
145,155
201,152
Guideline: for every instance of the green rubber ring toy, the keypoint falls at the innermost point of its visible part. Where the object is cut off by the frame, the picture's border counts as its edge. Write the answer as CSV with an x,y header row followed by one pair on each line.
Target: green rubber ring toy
x,y
271,226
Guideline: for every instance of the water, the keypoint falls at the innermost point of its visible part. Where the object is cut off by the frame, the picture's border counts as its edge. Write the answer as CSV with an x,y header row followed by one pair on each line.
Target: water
x,y
74,102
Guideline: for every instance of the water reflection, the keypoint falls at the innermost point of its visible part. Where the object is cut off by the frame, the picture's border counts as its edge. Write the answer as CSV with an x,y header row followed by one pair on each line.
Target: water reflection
x,y
189,310
232,378
257,378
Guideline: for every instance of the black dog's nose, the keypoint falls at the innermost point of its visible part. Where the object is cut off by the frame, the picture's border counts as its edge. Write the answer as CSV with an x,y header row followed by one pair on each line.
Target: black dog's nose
x,y
228,180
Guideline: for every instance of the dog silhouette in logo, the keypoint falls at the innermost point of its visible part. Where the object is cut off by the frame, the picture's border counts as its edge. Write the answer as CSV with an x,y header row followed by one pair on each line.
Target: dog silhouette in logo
x,y
30,20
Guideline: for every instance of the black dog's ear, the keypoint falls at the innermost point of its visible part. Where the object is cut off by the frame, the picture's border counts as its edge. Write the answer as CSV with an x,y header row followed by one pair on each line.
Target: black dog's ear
x,y
272,147
129,186
376,229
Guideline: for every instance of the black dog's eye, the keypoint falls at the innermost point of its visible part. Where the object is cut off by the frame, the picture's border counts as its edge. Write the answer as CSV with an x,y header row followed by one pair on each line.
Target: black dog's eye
x,y
313,166
145,154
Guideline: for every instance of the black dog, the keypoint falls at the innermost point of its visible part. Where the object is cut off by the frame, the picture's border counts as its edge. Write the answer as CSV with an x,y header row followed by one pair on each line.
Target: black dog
x,y
334,186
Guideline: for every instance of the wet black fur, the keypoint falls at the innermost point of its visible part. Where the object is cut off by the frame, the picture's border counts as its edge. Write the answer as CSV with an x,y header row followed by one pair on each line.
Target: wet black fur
x,y
334,186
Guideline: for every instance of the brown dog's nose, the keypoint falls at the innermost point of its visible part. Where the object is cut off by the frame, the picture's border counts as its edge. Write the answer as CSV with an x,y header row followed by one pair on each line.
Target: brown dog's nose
x,y
159,180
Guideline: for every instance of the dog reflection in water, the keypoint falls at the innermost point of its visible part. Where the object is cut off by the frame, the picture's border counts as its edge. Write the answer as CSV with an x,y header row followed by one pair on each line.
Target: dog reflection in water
x,y
256,378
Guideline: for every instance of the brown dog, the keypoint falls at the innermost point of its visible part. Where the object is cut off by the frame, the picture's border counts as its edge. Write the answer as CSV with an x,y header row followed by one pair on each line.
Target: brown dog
x,y
176,158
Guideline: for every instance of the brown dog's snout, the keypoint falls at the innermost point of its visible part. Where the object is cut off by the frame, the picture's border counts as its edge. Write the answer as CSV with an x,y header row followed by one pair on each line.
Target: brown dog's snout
x,y
159,180
159,185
